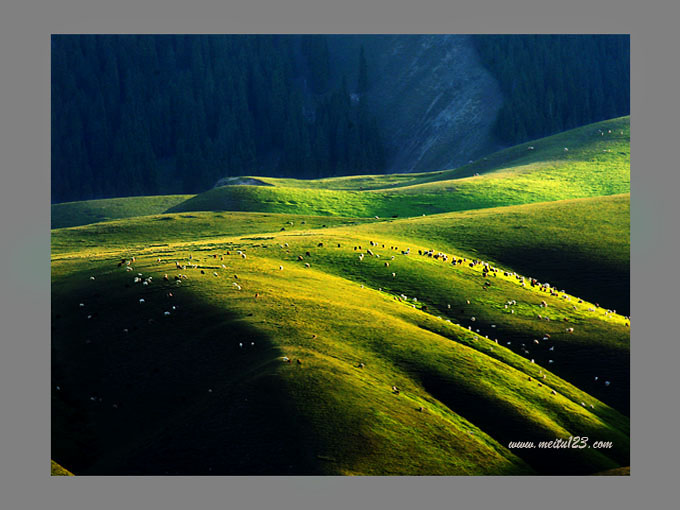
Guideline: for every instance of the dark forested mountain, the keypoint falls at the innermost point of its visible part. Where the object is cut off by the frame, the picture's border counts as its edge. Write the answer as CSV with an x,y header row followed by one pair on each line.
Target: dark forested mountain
x,y
145,114
139,114
552,83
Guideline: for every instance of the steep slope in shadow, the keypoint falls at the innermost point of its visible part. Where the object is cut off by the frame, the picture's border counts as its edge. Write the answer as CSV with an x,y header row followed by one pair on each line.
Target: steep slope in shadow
x,y
178,395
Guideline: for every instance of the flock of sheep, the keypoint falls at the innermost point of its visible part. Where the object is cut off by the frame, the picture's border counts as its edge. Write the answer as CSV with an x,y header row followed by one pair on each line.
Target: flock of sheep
x,y
486,271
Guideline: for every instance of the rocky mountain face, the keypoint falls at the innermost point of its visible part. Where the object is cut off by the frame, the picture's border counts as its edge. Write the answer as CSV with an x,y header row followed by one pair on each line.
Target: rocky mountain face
x,y
434,101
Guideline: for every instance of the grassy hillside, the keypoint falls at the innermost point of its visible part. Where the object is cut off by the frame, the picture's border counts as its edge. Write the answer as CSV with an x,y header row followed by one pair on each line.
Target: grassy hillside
x,y
187,373
582,245
71,214
178,394
596,163
58,470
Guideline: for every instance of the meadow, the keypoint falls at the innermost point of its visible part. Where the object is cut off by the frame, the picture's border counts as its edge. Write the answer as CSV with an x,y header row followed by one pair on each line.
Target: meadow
x,y
306,327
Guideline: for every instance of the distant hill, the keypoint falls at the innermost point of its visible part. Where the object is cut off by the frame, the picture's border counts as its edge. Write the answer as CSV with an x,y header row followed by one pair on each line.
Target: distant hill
x,y
71,214
590,161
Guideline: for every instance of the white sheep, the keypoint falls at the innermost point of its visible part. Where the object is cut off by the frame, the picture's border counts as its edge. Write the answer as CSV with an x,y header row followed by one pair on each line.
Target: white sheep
x,y
141,300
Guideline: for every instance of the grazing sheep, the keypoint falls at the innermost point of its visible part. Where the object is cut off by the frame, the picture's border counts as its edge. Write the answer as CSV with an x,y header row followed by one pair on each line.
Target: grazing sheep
x,y
91,277
395,390
553,392
243,255
307,264
569,330
280,268
141,300
607,383
361,365
394,275
166,314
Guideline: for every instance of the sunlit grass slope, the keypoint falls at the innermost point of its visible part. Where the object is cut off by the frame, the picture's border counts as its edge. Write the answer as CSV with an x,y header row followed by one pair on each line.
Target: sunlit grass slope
x,y
70,214
582,245
145,392
57,470
596,163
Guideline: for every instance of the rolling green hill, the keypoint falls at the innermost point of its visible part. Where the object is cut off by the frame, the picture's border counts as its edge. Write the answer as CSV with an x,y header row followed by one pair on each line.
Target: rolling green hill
x,y
400,362
71,214
582,245
596,163
476,394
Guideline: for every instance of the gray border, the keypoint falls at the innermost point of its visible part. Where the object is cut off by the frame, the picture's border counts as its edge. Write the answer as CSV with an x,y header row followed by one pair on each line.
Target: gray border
x,y
24,212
